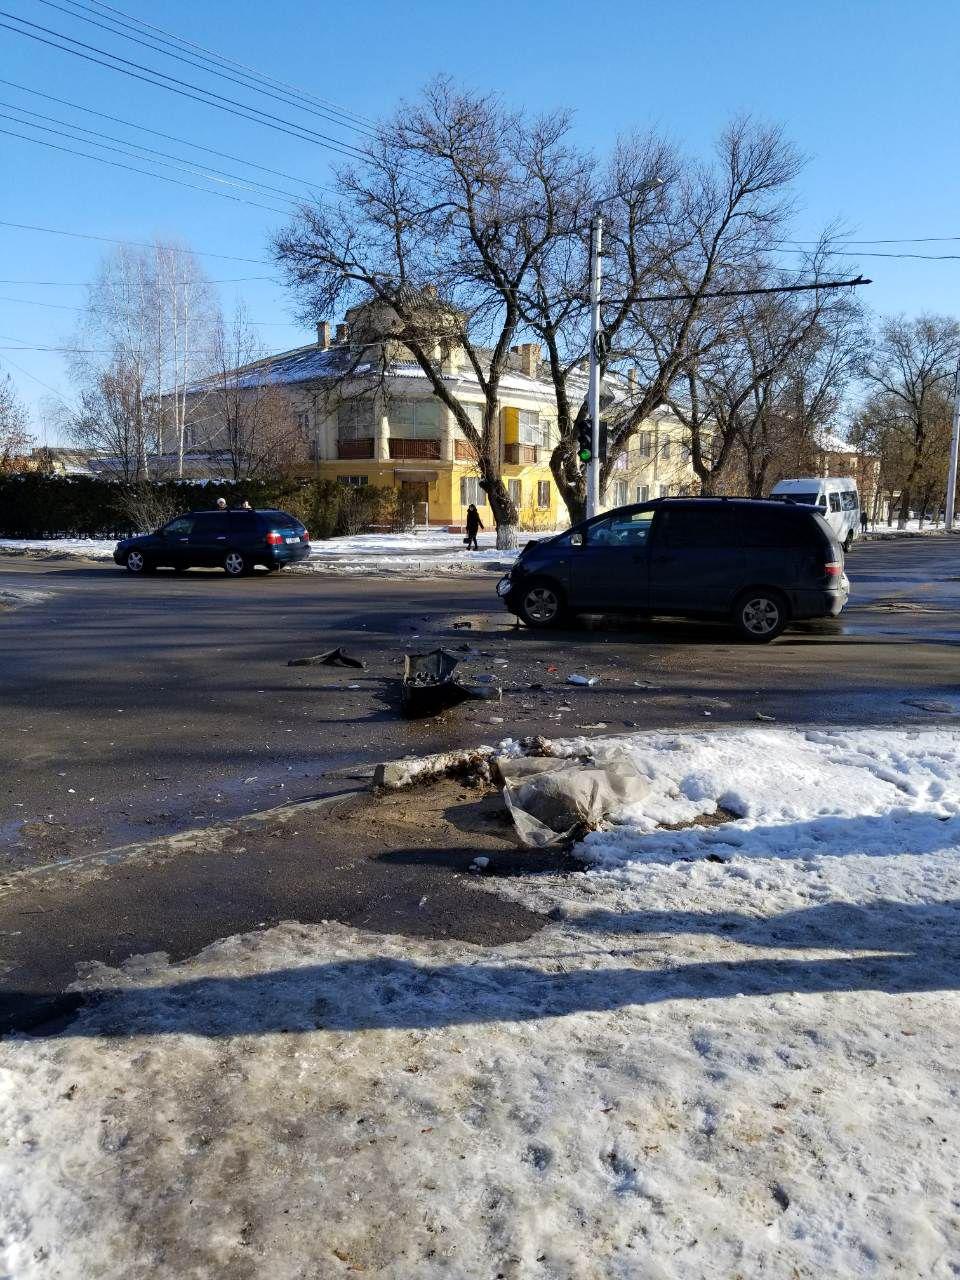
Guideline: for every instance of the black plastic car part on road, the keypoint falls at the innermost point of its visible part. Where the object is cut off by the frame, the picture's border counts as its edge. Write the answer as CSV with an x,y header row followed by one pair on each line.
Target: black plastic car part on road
x,y
757,564
235,541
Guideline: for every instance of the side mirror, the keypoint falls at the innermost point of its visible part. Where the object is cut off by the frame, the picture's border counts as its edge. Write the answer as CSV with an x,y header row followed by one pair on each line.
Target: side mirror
x,y
576,539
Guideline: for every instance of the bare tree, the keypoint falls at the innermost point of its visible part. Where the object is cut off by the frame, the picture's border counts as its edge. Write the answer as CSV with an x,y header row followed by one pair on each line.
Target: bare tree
x,y
15,437
144,337
438,231
910,365
676,232
757,398
238,412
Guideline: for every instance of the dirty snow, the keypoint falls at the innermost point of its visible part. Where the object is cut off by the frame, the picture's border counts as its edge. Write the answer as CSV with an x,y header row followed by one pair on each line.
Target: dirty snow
x,y
426,553
732,1051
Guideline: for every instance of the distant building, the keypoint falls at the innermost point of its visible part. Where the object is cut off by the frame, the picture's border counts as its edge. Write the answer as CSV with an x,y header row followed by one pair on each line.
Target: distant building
x,y
366,415
837,457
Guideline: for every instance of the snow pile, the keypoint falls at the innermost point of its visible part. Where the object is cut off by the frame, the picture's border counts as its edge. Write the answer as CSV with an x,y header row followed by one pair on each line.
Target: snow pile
x,y
733,1050
87,548
426,553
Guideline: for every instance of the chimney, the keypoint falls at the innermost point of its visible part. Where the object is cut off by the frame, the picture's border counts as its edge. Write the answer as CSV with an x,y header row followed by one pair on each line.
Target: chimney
x,y
343,332
529,353
323,334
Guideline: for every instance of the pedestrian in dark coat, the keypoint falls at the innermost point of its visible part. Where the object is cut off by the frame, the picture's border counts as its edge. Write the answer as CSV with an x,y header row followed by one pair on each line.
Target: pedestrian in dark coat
x,y
474,525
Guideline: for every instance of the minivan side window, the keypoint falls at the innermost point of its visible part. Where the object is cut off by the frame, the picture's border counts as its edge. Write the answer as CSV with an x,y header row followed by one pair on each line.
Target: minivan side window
x,y
625,529
209,524
771,527
849,499
178,528
835,502
695,526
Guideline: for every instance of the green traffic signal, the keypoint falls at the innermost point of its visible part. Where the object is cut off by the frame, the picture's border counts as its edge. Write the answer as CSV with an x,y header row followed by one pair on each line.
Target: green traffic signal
x,y
585,455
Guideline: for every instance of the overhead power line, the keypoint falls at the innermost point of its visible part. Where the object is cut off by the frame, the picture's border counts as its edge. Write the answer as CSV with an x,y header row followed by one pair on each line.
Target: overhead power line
x,y
748,293
137,151
348,112
182,87
133,244
157,133
117,164
210,63
85,284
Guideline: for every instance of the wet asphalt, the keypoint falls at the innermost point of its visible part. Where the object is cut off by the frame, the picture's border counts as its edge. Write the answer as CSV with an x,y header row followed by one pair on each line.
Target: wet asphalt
x,y
134,708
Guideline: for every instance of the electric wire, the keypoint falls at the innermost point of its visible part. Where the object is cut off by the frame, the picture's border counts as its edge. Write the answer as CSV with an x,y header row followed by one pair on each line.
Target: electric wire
x,y
116,28
138,151
187,90
133,244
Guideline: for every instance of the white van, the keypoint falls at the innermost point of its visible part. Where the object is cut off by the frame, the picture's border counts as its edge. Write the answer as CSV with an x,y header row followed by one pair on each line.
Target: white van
x,y
835,497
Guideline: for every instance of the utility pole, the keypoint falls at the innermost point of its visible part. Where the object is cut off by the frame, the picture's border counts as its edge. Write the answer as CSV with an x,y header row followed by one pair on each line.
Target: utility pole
x,y
954,449
593,391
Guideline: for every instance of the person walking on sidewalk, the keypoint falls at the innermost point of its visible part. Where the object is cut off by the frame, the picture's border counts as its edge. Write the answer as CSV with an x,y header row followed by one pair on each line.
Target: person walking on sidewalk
x,y
474,525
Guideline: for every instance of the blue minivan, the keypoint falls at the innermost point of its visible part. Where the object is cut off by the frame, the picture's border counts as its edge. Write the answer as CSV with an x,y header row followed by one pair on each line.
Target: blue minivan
x,y
235,541
755,563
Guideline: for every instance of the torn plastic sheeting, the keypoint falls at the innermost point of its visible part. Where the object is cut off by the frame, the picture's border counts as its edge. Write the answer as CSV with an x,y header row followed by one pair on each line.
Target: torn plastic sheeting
x,y
550,800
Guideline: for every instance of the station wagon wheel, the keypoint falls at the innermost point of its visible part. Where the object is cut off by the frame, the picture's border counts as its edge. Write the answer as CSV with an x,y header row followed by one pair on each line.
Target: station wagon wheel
x,y
760,615
236,564
541,605
137,562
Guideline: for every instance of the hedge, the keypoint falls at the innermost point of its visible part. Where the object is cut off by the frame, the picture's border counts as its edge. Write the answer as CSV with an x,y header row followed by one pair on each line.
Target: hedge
x,y
33,505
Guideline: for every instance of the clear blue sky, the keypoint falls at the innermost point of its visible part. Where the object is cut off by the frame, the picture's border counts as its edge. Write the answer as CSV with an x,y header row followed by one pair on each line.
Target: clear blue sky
x,y
868,91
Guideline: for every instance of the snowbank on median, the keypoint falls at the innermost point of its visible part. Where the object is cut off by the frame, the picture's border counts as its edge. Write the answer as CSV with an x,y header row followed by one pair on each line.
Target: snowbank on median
x,y
732,1050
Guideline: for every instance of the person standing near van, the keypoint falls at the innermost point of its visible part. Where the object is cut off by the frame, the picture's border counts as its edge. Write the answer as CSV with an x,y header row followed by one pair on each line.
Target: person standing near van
x,y
474,525
864,521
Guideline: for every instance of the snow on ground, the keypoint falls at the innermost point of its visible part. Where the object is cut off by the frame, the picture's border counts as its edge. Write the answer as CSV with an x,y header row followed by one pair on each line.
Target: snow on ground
x,y
734,1051
426,553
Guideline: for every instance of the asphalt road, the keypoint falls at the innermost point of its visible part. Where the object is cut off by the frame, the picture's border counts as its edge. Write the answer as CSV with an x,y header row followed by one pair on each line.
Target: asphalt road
x,y
133,708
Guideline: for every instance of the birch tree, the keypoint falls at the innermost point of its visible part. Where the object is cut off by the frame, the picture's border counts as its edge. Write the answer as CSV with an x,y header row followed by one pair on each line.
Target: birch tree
x,y
15,436
145,336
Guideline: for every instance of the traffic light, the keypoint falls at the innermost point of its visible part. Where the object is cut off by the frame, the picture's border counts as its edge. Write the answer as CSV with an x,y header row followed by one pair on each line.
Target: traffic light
x,y
585,439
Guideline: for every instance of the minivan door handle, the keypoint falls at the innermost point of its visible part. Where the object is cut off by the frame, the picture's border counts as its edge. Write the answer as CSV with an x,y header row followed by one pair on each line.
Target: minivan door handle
x,y
221,537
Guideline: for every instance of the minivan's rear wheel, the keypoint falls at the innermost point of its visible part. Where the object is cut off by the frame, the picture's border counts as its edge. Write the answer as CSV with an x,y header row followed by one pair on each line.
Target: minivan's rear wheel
x,y
541,605
760,615
137,562
236,564
848,541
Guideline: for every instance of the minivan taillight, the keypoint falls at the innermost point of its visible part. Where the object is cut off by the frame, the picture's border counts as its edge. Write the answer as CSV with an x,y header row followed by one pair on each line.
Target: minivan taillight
x,y
305,536
833,568
274,539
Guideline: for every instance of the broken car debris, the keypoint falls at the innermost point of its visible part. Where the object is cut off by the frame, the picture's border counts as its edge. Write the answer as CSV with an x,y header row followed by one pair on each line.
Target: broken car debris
x,y
430,684
333,658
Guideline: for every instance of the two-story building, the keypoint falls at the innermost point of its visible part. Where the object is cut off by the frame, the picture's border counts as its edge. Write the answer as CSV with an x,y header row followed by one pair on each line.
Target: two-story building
x,y
368,416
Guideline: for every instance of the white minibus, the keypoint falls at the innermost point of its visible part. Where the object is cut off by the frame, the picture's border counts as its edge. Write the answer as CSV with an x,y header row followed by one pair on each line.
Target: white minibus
x,y
835,497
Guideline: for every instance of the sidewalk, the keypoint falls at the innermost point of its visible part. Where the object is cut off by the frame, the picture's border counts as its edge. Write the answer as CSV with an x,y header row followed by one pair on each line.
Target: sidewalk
x,y
728,1049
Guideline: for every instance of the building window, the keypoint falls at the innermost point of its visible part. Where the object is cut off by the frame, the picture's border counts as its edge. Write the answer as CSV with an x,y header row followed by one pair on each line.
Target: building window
x,y
643,493
543,494
532,430
414,419
664,491
645,444
303,422
354,482
470,491
686,453
665,448
355,420
515,490
620,493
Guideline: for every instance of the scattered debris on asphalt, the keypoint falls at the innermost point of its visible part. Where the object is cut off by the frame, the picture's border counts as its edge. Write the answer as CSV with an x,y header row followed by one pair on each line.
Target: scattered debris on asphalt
x,y
760,715
942,708
430,684
479,864
584,680
334,658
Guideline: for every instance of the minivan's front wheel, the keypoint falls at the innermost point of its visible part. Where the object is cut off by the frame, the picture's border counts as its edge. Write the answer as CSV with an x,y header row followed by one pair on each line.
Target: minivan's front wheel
x,y
541,605
848,541
760,615
236,564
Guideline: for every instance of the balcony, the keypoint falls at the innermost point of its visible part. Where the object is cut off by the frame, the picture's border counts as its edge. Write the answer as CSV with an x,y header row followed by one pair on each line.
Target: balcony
x,y
521,454
463,452
355,448
414,449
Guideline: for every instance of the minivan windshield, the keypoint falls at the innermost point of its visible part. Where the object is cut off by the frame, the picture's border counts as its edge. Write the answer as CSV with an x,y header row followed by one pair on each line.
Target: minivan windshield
x,y
801,499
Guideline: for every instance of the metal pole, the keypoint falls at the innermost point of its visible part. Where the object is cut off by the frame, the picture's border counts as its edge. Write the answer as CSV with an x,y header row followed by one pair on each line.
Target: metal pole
x,y
593,392
954,448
